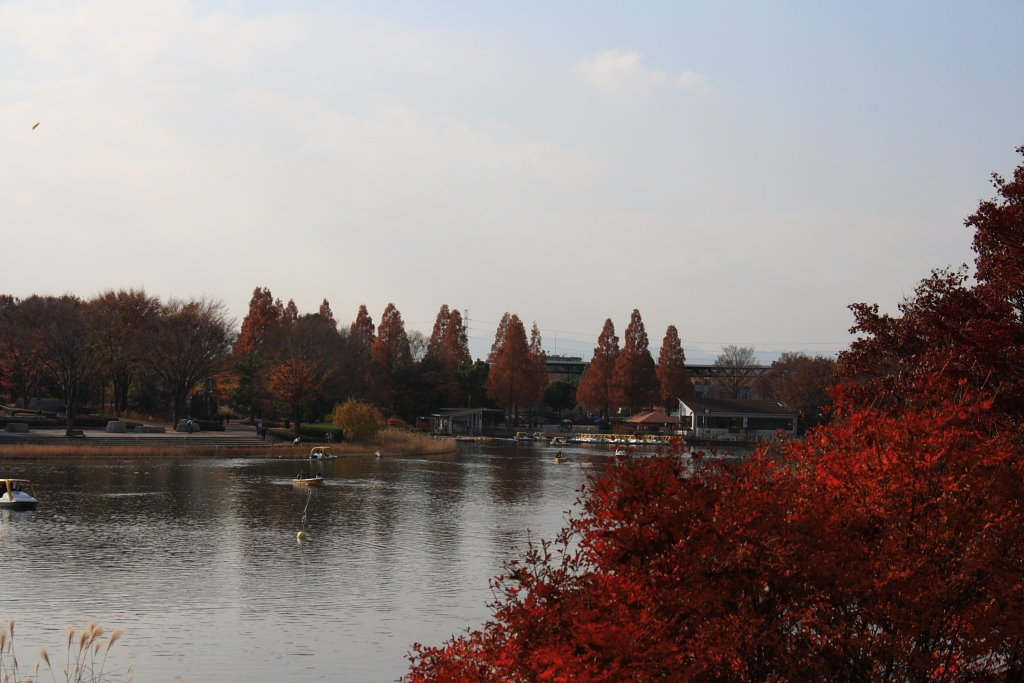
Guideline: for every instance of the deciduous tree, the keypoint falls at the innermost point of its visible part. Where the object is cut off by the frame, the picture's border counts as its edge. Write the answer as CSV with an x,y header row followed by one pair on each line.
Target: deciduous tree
x,y
512,379
673,378
447,353
884,549
121,325
951,328
67,352
800,382
308,373
389,356
361,421
195,339
634,380
735,378
361,336
595,389
20,367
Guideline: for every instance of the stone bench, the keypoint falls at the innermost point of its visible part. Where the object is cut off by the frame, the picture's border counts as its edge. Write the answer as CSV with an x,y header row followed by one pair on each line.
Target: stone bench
x,y
18,427
150,429
117,427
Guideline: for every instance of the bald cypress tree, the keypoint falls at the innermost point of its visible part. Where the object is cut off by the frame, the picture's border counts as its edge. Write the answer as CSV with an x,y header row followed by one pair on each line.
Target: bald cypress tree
x,y
594,392
512,380
673,379
634,380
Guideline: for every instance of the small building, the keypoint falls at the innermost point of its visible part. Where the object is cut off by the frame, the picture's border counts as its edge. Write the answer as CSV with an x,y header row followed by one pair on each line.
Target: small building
x,y
648,422
738,419
465,421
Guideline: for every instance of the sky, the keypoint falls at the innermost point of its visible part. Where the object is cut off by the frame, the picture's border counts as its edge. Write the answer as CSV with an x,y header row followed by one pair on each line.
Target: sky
x,y
742,170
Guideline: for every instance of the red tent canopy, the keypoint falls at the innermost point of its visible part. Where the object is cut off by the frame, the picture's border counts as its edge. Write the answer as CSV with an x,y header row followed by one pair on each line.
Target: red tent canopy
x,y
652,417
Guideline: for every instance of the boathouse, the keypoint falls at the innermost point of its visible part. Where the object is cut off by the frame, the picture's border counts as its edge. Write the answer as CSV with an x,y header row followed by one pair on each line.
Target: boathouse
x,y
734,419
465,421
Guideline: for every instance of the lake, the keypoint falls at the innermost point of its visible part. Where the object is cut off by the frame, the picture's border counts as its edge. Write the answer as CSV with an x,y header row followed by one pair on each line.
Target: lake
x,y
197,559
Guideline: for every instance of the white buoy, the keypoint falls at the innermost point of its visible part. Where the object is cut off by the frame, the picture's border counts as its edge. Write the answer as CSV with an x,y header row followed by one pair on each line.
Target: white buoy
x,y
301,537
377,453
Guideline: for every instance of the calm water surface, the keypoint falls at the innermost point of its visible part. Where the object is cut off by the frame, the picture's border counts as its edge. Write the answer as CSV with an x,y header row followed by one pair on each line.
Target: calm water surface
x,y
197,560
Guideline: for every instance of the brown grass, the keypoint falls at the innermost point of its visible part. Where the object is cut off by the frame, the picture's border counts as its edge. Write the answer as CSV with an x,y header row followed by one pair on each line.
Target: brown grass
x,y
388,442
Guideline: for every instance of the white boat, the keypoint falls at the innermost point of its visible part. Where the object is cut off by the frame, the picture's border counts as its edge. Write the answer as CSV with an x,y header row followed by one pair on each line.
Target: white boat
x,y
17,494
321,453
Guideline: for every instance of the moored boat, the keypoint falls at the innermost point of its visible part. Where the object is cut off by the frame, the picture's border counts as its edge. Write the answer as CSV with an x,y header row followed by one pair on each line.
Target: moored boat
x,y
304,480
17,494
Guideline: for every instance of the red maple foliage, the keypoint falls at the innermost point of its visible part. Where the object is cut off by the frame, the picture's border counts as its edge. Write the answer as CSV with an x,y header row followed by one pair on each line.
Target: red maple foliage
x,y
886,546
951,328
882,549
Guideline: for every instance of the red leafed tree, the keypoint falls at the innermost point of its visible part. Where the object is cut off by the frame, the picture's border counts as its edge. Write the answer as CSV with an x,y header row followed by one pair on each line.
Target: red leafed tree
x,y
512,380
363,330
673,378
309,371
802,383
325,311
362,334
389,356
499,336
634,380
882,549
951,328
440,326
455,341
261,327
447,352
294,382
256,351
595,390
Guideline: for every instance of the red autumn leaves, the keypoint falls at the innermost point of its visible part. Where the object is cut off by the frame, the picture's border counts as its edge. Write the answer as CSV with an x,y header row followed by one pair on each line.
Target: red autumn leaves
x,y
887,546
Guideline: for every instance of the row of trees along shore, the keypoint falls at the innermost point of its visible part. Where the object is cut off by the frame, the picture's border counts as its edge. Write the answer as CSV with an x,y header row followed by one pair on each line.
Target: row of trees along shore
x,y
886,546
131,351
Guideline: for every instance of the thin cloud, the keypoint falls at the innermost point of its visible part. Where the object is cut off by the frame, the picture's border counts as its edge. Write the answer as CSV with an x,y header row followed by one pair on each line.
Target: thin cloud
x,y
622,73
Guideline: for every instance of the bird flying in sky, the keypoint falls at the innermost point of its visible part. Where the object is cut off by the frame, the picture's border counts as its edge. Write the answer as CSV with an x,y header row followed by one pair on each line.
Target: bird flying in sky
x,y
35,125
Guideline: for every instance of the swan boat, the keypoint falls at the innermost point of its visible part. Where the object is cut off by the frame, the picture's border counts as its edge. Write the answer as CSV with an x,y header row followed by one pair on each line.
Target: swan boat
x,y
17,494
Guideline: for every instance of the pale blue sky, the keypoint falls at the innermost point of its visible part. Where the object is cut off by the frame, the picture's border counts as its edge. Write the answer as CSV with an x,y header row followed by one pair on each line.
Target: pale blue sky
x,y
741,170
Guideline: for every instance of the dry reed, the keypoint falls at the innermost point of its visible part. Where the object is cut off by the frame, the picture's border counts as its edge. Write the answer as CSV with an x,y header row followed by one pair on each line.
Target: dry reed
x,y
388,442
86,658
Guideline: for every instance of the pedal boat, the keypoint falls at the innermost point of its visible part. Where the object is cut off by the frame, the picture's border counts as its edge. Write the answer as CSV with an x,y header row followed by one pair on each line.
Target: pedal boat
x,y
17,494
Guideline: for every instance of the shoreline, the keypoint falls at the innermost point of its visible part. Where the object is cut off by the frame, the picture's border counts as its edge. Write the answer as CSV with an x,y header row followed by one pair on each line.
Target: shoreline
x,y
98,445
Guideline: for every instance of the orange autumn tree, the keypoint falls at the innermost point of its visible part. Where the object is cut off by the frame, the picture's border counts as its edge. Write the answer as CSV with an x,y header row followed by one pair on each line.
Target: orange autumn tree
x,y
513,379
674,380
595,390
447,352
390,355
306,376
256,351
362,334
634,381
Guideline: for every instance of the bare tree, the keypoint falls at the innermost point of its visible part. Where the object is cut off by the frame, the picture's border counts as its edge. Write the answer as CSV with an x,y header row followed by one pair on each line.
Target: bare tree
x,y
194,339
735,374
66,352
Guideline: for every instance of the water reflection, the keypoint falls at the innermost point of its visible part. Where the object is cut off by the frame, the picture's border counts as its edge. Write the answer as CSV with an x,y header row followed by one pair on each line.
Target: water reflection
x,y
197,560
